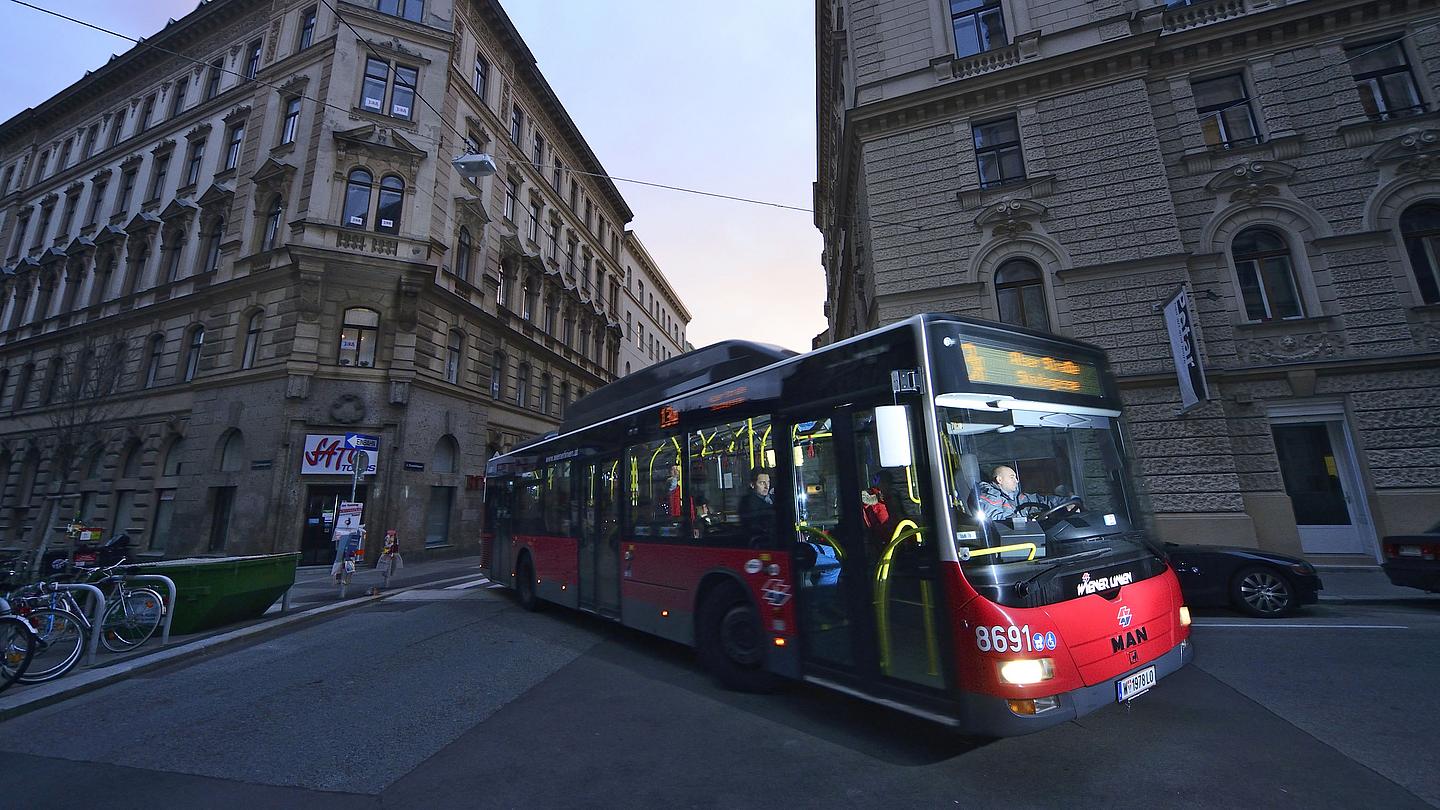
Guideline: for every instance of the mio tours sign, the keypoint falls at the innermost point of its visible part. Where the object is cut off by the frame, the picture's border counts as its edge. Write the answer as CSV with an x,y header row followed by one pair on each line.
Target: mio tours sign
x,y
328,455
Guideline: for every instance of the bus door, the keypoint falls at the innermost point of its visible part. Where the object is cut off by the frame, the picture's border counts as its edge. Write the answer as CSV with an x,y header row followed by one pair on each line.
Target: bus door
x,y
495,534
830,558
600,536
867,577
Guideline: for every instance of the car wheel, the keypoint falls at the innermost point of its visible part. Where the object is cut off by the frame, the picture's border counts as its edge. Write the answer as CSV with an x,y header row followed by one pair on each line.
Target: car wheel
x,y
1263,592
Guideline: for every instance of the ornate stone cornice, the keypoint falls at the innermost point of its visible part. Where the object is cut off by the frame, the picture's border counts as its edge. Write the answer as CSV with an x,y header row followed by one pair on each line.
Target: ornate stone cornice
x,y
1251,181
1290,348
1010,218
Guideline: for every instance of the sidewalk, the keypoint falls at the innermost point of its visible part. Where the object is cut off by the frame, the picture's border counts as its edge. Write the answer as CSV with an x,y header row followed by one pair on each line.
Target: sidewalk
x,y
314,595
1366,584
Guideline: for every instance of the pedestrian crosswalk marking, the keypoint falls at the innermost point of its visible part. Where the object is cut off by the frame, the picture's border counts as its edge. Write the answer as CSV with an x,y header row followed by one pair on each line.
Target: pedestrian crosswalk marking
x,y
463,585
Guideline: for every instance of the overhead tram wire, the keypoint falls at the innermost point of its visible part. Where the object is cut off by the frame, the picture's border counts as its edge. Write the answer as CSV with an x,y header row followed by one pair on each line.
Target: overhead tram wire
x,y
700,192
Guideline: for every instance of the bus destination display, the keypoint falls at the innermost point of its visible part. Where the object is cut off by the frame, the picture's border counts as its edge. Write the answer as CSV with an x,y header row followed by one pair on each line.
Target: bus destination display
x,y
991,364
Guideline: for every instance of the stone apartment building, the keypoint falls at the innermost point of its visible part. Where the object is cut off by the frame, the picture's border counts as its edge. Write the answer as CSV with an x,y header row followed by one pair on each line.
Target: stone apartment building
x,y
655,317
264,239
1070,165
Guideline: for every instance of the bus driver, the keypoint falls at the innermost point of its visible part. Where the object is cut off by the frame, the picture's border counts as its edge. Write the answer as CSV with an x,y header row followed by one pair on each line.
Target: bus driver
x,y
1001,500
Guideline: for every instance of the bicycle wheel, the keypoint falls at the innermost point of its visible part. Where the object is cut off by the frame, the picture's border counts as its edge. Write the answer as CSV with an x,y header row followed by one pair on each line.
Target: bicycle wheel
x,y
17,647
62,639
131,620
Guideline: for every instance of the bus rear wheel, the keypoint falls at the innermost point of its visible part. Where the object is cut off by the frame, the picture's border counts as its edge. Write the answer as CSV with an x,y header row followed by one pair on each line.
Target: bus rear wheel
x,y
732,643
525,592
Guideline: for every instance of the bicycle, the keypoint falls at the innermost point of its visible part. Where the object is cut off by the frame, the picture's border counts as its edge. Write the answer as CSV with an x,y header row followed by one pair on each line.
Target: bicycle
x,y
59,632
17,646
132,615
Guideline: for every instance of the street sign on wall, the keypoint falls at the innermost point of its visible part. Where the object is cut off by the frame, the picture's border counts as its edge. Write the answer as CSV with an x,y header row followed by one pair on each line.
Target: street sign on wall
x,y
328,455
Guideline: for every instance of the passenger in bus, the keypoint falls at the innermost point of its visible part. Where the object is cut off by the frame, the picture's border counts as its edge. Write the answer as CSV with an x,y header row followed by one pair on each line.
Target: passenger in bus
x,y
672,493
757,509
1000,498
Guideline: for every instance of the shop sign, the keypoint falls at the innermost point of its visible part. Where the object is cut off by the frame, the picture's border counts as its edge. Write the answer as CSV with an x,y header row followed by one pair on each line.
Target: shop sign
x,y
327,455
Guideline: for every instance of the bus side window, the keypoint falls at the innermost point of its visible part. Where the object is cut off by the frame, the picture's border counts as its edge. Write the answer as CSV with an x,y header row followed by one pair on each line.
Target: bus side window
x,y
529,503
721,460
655,487
557,499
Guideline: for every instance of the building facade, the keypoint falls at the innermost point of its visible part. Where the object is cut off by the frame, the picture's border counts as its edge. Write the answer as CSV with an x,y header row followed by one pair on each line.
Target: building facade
x,y
1070,166
655,317
264,240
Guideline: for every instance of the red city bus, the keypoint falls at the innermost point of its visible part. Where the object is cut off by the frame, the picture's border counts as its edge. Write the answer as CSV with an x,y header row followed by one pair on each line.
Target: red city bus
x,y
833,517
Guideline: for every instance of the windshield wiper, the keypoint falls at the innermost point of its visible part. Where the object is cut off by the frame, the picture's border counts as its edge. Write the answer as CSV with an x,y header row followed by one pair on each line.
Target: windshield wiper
x,y
1022,587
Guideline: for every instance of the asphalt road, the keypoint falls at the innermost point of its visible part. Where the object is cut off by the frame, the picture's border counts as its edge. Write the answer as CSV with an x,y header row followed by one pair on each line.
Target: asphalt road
x,y
456,698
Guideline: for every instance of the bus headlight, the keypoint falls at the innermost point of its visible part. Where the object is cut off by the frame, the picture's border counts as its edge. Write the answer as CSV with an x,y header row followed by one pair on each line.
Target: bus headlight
x,y
1027,671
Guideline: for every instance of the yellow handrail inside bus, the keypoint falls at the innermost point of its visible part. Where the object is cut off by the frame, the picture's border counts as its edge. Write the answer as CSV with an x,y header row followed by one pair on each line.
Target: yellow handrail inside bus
x,y
980,552
824,537
905,530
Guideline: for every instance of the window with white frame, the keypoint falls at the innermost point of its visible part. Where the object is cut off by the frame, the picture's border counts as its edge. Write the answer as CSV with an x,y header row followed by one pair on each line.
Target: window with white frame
x,y
359,333
1420,228
1266,275
1384,80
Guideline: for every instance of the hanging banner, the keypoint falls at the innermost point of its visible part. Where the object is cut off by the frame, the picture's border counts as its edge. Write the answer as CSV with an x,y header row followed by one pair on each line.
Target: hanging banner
x,y
1185,348
328,455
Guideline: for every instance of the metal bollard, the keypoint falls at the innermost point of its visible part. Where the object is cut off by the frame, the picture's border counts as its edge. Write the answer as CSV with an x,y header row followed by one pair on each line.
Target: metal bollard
x,y
97,615
169,586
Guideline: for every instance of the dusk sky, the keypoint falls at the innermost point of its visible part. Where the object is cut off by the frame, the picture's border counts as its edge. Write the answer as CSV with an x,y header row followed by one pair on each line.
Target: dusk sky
x,y
684,95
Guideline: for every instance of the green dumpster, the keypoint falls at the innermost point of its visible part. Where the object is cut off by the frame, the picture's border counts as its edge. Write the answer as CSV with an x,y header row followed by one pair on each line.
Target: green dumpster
x,y
215,591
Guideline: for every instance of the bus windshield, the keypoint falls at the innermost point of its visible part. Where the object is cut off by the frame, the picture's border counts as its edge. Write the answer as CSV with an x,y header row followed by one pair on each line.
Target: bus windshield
x,y
1032,485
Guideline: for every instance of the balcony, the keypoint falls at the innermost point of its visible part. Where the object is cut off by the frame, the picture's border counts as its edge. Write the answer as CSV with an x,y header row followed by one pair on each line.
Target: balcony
x,y
1184,16
985,62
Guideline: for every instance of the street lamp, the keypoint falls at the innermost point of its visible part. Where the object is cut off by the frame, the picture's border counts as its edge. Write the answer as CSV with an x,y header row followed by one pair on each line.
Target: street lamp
x,y
475,166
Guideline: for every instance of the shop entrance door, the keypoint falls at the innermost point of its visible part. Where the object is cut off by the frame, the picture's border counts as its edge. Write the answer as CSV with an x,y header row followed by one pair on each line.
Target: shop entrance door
x,y
321,500
1322,481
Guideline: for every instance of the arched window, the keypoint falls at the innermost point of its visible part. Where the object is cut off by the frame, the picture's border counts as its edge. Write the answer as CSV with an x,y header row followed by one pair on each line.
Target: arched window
x,y
551,308
463,249
192,354
569,337
134,454
502,289
173,247
252,339
52,381
174,458
22,386
522,385
392,198
271,238
152,362
1267,278
232,455
453,351
359,333
585,340
1020,294
212,248
1420,226
545,394
357,199
497,374
443,459
95,464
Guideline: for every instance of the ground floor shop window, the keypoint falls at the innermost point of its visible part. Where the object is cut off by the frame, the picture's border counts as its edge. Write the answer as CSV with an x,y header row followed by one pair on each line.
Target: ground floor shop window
x,y
224,500
437,517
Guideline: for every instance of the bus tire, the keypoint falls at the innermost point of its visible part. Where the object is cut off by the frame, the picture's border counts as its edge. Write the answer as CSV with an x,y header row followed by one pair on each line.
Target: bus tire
x,y
525,592
731,641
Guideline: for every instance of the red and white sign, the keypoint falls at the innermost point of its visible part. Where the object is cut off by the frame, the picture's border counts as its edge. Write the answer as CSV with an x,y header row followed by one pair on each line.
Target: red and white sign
x,y
328,455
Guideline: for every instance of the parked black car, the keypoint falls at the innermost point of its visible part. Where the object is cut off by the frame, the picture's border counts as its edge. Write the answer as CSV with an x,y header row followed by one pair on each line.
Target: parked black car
x,y
1256,582
1413,560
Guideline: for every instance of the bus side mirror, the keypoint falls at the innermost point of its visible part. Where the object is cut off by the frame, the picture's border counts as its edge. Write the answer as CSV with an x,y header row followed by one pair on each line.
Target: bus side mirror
x,y
892,427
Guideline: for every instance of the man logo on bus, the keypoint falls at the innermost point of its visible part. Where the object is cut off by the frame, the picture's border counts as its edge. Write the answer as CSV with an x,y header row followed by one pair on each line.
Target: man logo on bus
x,y
1124,617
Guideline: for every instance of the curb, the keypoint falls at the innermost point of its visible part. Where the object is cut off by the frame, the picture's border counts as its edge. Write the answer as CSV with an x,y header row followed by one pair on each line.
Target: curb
x,y
79,682
1417,599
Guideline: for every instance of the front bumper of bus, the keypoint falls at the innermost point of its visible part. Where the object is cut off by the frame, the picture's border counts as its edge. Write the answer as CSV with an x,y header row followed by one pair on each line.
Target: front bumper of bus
x,y
990,716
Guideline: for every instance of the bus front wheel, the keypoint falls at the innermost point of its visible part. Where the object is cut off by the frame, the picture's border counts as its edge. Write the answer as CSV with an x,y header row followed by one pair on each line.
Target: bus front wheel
x,y
732,643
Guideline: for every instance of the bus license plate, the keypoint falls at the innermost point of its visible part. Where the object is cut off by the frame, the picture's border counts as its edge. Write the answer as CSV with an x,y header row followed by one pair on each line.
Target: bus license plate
x,y
1134,685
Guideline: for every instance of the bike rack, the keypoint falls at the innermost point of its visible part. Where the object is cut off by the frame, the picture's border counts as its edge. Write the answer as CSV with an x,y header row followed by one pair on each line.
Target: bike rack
x,y
170,612
97,612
